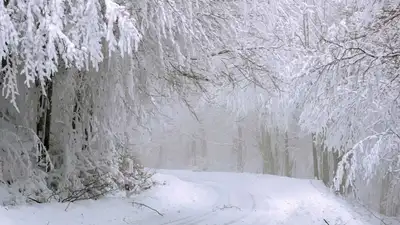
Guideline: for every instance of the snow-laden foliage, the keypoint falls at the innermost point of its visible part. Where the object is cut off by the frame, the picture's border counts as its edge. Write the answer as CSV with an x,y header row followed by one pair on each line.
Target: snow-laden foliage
x,y
329,67
336,66
350,89
38,36
106,67
343,83
58,41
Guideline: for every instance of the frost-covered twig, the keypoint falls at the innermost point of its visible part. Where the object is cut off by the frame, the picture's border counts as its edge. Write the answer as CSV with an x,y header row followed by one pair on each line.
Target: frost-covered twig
x,y
149,207
229,207
97,187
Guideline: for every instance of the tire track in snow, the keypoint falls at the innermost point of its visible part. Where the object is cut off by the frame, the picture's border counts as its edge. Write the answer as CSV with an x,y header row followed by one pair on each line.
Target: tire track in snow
x,y
239,219
192,219
176,220
221,195
196,218
224,198
259,218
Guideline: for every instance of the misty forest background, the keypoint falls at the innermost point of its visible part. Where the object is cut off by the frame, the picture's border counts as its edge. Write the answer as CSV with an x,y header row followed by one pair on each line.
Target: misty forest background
x,y
94,89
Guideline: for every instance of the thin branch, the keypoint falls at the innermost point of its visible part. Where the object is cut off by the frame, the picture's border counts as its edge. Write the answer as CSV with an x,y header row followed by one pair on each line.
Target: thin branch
x,y
149,207
226,51
190,75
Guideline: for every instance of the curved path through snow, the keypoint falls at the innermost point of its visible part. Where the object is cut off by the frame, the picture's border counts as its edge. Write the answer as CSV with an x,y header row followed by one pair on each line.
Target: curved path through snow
x,y
202,198
252,199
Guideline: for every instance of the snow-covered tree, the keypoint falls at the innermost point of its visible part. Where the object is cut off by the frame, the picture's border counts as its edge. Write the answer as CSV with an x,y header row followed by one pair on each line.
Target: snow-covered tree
x,y
347,89
84,76
337,64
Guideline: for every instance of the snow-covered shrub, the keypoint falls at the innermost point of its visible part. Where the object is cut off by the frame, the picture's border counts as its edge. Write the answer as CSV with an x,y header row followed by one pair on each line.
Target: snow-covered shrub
x,y
21,169
131,176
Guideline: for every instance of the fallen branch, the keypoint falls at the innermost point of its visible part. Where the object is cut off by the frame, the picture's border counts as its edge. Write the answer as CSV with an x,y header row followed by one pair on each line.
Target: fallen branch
x,y
149,207
326,222
96,187
229,207
66,208
35,200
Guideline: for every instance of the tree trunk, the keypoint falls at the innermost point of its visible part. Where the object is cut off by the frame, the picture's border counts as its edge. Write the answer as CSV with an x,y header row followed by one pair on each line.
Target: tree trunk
x,y
203,148
306,28
194,153
266,151
80,117
288,171
275,159
383,204
3,65
315,156
325,167
160,157
43,125
335,163
239,162
48,115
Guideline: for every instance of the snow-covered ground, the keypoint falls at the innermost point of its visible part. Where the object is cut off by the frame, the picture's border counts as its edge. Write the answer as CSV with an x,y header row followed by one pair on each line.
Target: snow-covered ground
x,y
204,198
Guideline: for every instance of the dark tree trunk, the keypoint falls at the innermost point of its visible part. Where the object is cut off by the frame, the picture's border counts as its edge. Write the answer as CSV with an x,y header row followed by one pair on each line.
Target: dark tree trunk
x,y
325,166
78,118
43,124
3,65
48,115
76,114
315,156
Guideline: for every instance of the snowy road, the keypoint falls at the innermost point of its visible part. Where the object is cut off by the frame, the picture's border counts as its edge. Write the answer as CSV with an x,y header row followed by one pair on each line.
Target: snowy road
x,y
203,198
257,200
232,206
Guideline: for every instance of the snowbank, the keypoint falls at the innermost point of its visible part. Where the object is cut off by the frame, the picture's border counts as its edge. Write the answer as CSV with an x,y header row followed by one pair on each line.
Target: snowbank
x,y
177,193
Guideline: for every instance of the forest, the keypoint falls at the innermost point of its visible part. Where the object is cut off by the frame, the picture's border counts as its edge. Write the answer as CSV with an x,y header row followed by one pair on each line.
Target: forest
x,y
94,91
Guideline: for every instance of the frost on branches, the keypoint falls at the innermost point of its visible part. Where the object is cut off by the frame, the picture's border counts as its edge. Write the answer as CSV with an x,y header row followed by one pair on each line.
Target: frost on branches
x,y
347,90
42,44
39,36
83,76
336,64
